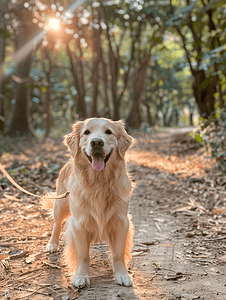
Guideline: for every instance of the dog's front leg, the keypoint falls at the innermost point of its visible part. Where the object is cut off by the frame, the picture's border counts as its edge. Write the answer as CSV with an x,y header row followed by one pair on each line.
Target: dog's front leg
x,y
77,252
118,245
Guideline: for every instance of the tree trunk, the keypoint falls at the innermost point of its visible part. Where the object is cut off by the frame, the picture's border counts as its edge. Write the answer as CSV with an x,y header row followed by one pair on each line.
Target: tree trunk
x,y
2,109
170,119
95,74
95,82
191,118
29,105
139,78
82,83
215,42
47,106
176,118
204,91
156,118
2,105
80,101
112,61
113,65
134,118
106,110
149,117
165,119
48,92
20,123
115,61
203,88
2,59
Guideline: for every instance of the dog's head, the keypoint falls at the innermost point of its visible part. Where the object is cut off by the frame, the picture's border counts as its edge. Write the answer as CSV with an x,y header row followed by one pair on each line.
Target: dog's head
x,y
97,140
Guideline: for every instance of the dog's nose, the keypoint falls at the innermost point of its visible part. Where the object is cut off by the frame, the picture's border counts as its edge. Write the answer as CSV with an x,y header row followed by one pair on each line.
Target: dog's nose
x,y
97,143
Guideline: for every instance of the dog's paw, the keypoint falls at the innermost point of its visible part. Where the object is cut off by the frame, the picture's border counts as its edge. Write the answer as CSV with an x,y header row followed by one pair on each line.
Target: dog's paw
x,y
52,247
123,279
80,281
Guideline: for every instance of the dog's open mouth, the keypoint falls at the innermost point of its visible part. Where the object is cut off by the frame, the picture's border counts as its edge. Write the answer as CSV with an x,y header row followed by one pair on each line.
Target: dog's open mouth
x,y
98,161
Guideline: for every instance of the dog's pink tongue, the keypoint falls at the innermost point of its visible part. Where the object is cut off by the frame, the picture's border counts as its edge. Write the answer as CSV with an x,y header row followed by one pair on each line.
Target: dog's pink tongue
x,y
98,165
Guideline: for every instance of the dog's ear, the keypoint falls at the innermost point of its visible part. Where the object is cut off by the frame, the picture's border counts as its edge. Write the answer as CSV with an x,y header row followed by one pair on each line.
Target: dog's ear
x,y
124,140
72,139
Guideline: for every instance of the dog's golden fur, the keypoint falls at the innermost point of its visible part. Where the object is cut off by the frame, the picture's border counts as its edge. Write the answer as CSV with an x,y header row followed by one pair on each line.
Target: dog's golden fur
x,y
98,201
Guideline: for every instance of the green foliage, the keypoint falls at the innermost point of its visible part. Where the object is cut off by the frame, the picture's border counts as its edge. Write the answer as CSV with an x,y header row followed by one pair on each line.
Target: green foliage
x,y
180,15
158,23
198,137
4,34
212,134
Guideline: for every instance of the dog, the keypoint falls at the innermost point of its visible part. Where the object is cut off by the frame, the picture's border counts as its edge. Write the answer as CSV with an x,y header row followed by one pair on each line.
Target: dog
x,y
97,206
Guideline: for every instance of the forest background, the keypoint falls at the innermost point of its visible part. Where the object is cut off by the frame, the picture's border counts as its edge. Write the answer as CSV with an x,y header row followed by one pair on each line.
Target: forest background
x,y
151,63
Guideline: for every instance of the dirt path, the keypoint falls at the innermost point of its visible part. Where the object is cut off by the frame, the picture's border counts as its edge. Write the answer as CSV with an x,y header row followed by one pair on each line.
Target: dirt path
x,y
176,267
179,245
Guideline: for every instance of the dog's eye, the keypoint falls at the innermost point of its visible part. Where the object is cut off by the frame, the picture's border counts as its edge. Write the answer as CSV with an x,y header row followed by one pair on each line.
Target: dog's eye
x,y
108,131
87,132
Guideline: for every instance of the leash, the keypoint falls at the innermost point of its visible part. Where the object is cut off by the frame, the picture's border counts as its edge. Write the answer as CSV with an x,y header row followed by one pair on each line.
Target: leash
x,y
29,193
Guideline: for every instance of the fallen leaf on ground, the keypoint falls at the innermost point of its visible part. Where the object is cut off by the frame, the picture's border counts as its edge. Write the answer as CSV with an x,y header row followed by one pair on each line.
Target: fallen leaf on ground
x,y
74,295
188,296
51,265
18,255
33,257
141,250
173,277
166,245
3,256
151,243
137,253
190,234
181,209
219,210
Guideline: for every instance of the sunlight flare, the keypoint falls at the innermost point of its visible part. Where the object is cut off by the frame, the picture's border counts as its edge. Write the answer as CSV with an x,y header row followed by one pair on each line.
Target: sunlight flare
x,y
20,55
54,24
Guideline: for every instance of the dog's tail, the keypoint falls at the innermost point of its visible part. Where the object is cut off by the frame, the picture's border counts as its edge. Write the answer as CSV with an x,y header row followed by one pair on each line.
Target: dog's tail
x,y
47,201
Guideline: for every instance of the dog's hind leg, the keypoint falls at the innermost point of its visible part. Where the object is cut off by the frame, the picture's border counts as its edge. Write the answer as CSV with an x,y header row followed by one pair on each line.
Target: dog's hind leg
x,y
120,240
76,252
60,212
61,209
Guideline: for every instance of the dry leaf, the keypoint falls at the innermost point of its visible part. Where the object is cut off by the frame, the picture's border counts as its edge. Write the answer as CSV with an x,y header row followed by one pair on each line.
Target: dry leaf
x,y
166,245
151,243
190,234
181,209
18,255
3,256
189,296
141,250
33,257
74,295
137,253
219,210
174,277
11,197
51,265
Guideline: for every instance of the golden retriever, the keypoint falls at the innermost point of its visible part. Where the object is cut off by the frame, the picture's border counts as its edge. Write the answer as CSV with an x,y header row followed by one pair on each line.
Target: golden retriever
x,y
98,202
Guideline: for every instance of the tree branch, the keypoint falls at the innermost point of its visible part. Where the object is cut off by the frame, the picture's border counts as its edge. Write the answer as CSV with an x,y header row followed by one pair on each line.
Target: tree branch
x,y
132,51
186,50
